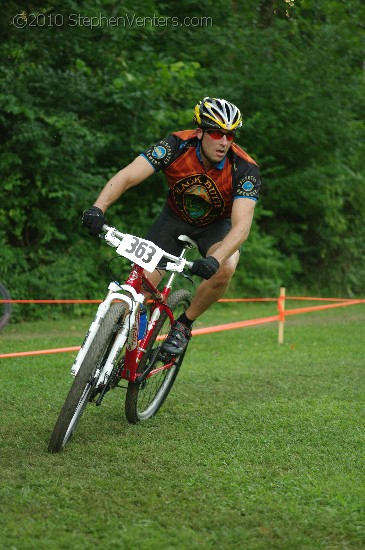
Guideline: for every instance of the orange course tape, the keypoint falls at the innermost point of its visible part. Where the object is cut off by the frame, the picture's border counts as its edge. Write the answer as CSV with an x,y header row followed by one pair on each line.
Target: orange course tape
x,y
99,301
317,308
222,300
51,301
208,330
38,352
197,332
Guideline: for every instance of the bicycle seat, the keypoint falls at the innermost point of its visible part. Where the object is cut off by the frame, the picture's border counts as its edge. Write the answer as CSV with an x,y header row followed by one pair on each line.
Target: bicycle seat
x,y
189,243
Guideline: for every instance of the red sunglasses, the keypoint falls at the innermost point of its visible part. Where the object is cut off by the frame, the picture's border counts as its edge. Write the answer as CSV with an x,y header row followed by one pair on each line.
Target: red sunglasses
x,y
218,134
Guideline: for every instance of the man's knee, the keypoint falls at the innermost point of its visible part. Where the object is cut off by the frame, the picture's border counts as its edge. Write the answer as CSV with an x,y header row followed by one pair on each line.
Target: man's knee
x,y
225,272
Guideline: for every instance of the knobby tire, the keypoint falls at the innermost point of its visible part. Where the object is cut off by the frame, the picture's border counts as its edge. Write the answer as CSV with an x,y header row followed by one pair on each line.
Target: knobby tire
x,y
143,400
84,382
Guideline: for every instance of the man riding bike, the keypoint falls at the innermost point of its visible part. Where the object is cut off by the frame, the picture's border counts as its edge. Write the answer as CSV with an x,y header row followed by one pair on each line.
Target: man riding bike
x,y
213,188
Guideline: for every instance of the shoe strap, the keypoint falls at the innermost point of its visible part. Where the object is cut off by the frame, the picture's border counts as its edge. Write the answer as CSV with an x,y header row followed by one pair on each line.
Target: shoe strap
x,y
186,331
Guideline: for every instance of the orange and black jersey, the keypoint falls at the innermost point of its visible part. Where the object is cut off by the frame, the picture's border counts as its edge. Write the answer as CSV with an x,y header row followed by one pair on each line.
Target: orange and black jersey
x,y
197,195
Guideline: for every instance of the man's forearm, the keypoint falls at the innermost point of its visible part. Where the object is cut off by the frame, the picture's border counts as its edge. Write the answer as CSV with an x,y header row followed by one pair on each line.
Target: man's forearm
x,y
114,189
131,175
231,243
242,215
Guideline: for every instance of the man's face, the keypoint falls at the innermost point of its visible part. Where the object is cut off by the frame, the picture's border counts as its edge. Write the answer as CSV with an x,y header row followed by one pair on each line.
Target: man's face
x,y
214,149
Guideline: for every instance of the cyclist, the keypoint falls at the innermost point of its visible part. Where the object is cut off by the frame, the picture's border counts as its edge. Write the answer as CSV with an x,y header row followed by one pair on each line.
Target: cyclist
x,y
213,188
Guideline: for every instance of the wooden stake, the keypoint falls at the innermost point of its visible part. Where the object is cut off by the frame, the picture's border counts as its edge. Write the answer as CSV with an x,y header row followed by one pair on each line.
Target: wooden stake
x,y
281,308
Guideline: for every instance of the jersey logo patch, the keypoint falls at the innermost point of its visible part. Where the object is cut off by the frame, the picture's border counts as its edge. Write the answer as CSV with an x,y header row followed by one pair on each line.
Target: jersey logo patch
x,y
159,155
198,199
159,152
247,186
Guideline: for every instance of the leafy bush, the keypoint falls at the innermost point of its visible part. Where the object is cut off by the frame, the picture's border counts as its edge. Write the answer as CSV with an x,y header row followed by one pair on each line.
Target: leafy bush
x,y
77,104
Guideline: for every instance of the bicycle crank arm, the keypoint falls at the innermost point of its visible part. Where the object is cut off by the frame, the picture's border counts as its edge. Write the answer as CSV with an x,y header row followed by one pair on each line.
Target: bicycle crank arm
x,y
151,370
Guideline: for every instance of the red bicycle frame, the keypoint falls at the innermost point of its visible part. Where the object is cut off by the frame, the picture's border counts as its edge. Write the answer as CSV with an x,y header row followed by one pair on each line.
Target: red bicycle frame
x,y
136,349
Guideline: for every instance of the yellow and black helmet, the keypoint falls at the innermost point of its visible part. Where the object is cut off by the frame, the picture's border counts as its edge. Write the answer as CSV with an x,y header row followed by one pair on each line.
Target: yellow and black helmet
x,y
217,113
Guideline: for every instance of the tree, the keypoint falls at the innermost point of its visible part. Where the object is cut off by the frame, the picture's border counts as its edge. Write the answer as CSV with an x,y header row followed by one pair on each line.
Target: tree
x,y
77,103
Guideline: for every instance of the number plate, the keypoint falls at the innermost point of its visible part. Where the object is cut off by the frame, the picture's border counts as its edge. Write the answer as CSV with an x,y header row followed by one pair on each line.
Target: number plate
x,y
140,251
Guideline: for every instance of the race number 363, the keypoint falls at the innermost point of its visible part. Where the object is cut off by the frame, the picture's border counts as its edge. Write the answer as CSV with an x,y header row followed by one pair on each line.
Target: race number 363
x,y
140,251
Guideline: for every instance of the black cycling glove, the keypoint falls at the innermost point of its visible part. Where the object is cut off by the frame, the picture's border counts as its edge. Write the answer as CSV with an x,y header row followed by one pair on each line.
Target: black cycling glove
x,y
205,267
94,220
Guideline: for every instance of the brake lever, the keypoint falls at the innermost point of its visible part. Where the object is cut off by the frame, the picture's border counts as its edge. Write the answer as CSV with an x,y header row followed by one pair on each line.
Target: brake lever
x,y
188,277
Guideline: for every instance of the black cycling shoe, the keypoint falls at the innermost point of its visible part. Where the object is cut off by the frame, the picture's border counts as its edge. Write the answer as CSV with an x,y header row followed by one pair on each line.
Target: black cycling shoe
x,y
177,340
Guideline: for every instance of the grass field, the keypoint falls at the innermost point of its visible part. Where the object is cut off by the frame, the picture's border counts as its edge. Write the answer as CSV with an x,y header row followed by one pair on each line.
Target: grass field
x,y
259,446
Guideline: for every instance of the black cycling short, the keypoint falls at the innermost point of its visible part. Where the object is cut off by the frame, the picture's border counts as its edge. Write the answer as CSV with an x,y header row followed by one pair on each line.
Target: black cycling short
x,y
168,226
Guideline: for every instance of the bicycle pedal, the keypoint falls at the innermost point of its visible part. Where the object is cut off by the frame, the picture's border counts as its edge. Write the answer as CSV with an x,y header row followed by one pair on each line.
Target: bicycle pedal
x,y
165,357
160,356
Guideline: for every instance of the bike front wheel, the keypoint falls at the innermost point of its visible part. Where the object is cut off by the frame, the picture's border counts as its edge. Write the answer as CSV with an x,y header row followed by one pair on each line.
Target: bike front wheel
x,y
85,379
144,399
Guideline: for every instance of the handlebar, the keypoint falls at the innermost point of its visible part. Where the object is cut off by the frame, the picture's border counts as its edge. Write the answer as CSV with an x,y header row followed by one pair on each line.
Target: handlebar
x,y
142,252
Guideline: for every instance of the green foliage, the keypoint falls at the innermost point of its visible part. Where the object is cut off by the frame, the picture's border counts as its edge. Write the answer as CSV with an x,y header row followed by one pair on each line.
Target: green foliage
x,y
78,103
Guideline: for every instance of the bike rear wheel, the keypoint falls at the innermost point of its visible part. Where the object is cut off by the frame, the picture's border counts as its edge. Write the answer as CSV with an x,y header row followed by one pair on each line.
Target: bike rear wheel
x,y
144,399
85,380
5,307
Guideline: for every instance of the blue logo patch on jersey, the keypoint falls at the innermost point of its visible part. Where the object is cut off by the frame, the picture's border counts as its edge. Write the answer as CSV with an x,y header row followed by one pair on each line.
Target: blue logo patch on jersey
x,y
247,186
159,152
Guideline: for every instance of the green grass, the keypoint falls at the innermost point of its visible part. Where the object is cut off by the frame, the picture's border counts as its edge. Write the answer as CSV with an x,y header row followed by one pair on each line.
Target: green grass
x,y
259,445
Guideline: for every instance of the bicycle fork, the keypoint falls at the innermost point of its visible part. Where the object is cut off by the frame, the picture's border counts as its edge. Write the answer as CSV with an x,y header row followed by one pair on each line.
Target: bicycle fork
x,y
132,305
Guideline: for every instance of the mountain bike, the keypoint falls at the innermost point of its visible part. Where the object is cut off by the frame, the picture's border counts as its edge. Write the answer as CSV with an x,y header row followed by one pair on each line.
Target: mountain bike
x,y
5,307
114,351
